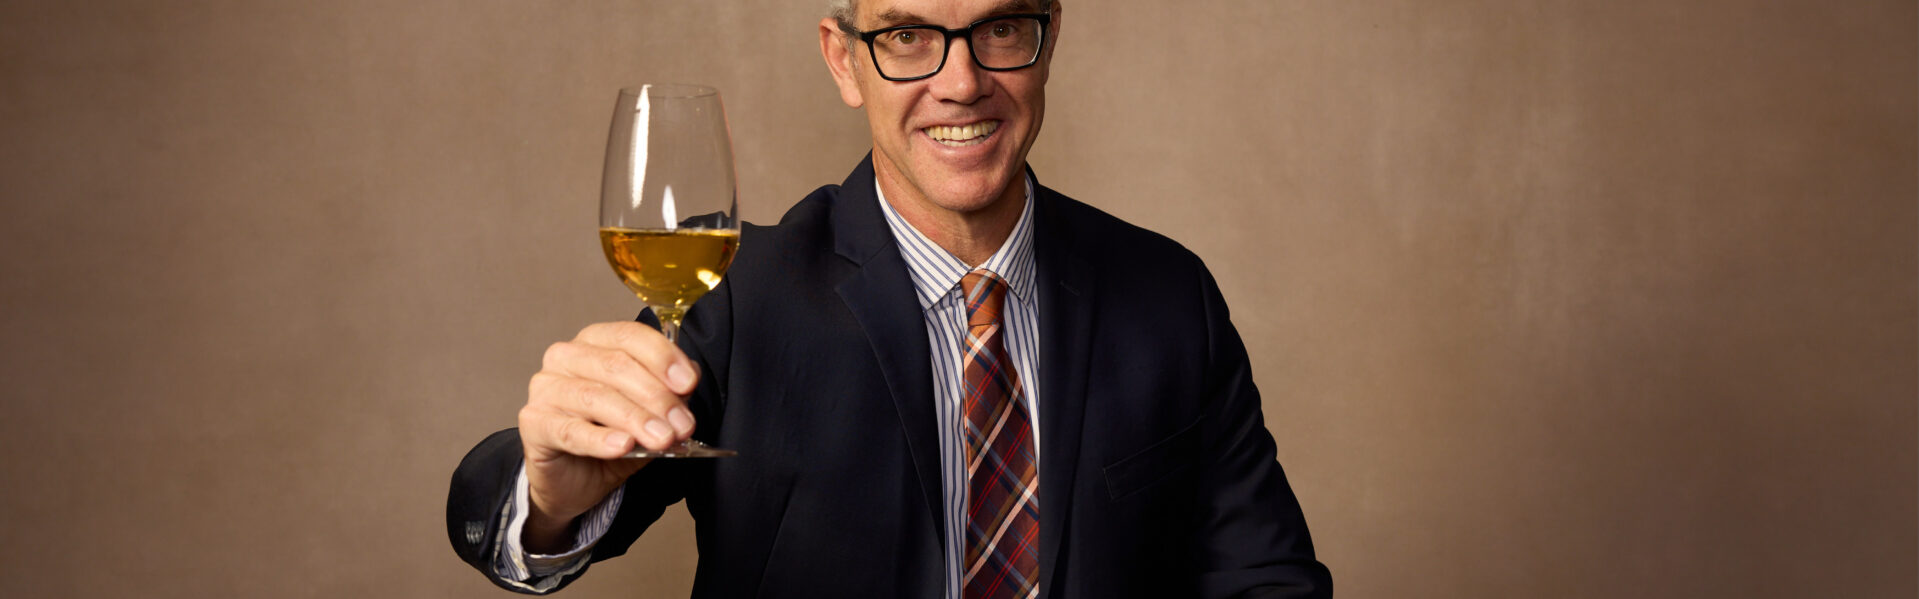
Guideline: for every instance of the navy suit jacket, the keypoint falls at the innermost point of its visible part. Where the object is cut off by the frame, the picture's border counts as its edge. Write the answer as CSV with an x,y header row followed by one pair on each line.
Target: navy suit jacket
x,y
1158,478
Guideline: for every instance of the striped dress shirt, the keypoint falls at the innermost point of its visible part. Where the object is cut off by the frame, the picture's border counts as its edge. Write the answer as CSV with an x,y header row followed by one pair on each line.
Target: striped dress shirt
x,y
936,275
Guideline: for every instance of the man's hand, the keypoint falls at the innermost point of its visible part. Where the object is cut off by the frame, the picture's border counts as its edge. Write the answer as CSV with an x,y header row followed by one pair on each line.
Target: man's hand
x,y
613,385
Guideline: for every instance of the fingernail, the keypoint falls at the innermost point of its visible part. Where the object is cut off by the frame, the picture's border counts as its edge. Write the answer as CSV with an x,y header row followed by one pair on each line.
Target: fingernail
x,y
617,440
680,377
659,430
681,419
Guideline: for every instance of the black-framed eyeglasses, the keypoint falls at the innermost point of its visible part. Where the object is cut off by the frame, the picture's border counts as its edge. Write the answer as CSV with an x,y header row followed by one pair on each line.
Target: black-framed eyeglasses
x,y
912,52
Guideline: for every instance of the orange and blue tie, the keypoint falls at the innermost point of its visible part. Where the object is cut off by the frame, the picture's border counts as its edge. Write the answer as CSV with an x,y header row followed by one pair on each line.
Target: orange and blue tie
x,y
1002,512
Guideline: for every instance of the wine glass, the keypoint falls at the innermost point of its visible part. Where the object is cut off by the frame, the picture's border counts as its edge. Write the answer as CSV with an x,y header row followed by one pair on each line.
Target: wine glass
x,y
668,215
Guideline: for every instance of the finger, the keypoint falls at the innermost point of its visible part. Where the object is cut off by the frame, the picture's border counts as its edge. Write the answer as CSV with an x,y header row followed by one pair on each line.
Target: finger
x,y
649,348
620,371
544,428
606,406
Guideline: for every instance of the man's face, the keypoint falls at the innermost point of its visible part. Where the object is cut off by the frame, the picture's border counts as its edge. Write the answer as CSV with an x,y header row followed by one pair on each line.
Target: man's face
x,y
957,139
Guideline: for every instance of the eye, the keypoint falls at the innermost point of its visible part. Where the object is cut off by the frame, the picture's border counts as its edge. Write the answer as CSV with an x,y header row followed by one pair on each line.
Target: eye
x,y
1001,30
905,38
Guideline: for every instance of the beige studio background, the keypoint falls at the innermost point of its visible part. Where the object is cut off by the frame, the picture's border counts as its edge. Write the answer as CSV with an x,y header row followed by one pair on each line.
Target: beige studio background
x,y
1547,299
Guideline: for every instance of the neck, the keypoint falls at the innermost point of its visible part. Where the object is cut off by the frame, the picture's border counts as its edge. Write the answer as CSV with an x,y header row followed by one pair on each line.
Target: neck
x,y
972,236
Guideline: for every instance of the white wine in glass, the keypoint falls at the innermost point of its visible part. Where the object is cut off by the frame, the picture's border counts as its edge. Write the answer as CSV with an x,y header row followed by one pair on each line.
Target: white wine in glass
x,y
669,218
669,269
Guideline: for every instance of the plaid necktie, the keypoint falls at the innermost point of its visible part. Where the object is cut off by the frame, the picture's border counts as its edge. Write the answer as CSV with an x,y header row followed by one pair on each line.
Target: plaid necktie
x,y
1002,513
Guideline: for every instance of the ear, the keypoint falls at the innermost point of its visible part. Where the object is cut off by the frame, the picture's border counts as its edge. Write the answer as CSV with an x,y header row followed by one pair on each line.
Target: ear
x,y
839,60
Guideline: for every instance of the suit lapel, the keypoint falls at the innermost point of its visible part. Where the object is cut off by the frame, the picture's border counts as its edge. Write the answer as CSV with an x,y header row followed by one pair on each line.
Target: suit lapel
x,y
879,293
1065,284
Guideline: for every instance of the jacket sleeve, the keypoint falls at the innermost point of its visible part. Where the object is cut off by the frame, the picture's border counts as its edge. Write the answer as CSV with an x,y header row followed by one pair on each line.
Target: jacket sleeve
x,y
1253,540
477,498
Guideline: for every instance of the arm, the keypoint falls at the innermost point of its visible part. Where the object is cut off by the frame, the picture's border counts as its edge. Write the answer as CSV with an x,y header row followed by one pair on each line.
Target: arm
x,y
1253,537
537,572
480,504
596,396
614,386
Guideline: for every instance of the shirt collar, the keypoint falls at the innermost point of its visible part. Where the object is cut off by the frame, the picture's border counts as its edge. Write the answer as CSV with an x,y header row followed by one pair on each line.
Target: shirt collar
x,y
937,272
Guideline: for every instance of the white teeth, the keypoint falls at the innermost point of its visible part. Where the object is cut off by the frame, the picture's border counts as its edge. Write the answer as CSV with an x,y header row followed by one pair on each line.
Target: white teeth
x,y
962,136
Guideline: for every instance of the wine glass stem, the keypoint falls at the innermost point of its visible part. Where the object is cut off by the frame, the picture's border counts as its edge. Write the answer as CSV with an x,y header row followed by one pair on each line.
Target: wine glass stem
x,y
669,323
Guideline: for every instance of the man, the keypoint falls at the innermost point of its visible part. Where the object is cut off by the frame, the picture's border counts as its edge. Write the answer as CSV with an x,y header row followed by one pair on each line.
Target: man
x,y
943,379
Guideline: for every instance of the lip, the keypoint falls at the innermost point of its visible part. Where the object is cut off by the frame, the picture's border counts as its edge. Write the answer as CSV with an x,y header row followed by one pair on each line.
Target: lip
x,y
957,123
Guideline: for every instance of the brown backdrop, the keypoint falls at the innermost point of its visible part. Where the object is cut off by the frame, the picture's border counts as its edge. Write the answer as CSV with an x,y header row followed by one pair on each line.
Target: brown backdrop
x,y
1547,299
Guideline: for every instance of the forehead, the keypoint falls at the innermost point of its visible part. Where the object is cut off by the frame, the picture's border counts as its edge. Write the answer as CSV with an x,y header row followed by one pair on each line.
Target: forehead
x,y
948,12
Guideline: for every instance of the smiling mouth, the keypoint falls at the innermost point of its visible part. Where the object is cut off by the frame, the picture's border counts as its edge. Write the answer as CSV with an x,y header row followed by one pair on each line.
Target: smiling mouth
x,y
962,136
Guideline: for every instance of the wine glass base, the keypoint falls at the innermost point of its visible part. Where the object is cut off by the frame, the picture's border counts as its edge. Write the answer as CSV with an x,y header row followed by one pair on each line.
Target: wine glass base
x,y
684,449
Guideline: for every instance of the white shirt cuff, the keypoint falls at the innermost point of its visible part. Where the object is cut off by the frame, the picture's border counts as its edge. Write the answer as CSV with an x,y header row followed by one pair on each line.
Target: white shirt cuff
x,y
541,573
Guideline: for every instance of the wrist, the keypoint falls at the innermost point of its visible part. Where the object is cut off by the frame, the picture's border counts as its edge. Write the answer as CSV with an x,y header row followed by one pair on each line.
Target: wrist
x,y
547,534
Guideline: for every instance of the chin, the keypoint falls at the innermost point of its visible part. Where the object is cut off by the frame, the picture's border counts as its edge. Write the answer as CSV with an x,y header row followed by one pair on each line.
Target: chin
x,y
970,194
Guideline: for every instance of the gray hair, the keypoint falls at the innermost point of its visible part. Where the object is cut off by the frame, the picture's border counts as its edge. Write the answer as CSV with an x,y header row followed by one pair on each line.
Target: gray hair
x,y
843,11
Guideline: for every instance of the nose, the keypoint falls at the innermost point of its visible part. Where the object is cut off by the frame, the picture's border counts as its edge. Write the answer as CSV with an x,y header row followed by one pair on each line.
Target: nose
x,y
961,80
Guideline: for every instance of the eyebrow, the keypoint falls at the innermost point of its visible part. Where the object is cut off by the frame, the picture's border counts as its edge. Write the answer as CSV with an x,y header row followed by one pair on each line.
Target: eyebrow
x,y
895,16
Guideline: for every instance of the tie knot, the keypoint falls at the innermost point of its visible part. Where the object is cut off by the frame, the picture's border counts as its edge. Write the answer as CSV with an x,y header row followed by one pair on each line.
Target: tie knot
x,y
985,296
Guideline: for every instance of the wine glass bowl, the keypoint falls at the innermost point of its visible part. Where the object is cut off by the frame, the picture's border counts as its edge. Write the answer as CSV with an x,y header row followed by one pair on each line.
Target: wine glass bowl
x,y
669,269
669,220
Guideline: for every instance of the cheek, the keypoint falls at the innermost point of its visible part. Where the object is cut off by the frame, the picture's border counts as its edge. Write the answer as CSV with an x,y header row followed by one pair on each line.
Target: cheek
x,y
883,104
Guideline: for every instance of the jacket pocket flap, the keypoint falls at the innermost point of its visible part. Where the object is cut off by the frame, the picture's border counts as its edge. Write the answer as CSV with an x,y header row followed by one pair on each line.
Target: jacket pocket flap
x,y
1153,464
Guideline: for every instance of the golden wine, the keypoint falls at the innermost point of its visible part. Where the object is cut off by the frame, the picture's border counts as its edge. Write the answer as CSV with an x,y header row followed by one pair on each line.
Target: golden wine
x,y
669,269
